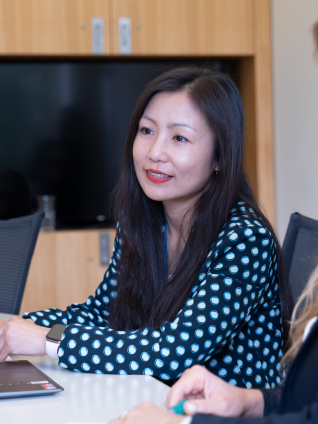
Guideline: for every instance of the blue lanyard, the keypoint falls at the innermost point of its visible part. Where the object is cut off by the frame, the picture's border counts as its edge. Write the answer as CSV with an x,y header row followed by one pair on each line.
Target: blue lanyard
x,y
166,246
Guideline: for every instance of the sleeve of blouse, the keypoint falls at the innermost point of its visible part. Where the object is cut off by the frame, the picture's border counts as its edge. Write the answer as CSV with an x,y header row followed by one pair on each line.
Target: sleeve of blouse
x,y
94,311
225,298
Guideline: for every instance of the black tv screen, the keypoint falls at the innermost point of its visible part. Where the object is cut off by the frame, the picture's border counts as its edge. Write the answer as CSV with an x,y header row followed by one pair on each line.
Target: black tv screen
x,y
63,125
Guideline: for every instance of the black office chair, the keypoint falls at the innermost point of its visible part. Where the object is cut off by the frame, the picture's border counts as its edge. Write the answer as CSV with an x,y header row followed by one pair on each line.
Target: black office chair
x,y
17,241
300,249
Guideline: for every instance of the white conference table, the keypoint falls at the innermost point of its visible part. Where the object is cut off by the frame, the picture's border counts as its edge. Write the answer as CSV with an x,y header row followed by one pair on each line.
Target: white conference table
x,y
87,398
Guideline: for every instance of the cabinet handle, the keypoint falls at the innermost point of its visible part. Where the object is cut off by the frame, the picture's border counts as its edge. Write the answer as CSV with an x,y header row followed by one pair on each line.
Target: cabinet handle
x,y
98,38
124,35
104,248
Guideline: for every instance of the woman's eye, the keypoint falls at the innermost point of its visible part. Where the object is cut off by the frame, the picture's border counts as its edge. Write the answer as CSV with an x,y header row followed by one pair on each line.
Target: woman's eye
x,y
146,130
180,138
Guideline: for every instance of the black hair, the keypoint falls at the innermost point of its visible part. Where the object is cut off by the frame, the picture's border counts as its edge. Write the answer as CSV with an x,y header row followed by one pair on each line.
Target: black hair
x,y
145,296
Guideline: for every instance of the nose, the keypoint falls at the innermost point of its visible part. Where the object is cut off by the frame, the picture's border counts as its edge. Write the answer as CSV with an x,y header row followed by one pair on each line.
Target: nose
x,y
159,149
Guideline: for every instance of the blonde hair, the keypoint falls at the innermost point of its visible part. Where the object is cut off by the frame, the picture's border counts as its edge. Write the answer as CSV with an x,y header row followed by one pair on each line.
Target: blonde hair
x,y
305,309
307,305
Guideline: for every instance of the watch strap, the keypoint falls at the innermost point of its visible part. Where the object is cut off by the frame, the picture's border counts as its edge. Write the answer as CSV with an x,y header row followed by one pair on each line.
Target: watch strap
x,y
187,420
52,348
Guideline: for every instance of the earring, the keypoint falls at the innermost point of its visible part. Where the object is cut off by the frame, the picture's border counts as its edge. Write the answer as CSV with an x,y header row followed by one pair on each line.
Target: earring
x,y
216,173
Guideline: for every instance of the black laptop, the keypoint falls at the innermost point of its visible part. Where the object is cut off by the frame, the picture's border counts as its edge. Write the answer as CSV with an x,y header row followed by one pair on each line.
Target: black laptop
x,y
21,378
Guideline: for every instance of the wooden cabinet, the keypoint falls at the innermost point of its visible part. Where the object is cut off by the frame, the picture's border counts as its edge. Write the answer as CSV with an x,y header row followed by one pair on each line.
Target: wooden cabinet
x,y
159,27
51,27
65,268
186,27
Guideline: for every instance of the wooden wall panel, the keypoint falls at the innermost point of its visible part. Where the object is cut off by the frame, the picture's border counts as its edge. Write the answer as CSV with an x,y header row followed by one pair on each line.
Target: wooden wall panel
x,y
186,27
65,269
263,107
49,27
247,90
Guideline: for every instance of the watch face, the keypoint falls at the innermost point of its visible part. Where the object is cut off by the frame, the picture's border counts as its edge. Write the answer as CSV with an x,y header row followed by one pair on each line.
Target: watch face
x,y
56,332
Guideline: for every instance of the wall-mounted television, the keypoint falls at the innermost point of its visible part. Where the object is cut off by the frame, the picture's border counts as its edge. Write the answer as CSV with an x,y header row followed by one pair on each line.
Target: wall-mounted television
x,y
63,124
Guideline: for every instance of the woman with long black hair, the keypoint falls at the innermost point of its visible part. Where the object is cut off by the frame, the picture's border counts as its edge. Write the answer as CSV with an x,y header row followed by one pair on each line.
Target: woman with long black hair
x,y
197,275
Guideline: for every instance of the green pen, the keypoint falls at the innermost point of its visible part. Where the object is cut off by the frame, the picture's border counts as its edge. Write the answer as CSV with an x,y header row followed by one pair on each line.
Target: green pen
x,y
178,408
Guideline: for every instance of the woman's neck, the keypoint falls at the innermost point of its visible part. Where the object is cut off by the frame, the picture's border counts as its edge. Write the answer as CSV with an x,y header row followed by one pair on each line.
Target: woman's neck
x,y
178,227
178,220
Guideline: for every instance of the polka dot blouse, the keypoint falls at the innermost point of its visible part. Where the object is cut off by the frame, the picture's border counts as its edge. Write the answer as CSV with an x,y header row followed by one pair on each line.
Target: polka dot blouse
x,y
230,323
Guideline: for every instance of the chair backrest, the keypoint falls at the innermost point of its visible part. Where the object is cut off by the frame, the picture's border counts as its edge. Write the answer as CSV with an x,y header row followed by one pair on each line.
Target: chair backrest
x,y
17,241
300,249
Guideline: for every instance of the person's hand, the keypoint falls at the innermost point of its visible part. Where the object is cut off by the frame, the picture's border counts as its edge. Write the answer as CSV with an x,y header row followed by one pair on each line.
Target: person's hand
x,y
147,413
21,337
209,394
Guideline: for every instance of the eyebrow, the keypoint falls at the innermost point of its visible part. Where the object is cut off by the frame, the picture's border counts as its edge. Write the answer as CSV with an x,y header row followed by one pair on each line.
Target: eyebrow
x,y
176,124
181,124
149,119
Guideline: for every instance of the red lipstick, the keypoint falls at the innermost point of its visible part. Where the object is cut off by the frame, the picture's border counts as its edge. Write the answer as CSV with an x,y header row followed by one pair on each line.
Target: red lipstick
x,y
157,177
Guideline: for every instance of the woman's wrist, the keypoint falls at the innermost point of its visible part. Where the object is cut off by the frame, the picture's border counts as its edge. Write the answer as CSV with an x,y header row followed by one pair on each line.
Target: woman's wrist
x,y
253,401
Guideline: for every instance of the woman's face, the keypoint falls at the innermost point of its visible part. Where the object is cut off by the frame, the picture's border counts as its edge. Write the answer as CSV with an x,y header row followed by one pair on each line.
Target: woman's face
x,y
173,150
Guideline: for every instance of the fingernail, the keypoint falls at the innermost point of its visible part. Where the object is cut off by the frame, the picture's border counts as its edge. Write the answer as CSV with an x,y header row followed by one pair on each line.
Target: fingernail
x,y
191,407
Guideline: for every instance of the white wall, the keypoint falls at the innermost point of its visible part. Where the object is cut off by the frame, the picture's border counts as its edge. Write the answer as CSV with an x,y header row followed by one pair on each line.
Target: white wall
x,y
295,96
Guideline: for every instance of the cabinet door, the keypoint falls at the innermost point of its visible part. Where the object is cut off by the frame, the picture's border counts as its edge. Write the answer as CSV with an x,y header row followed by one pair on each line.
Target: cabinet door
x,y
41,27
185,27
65,269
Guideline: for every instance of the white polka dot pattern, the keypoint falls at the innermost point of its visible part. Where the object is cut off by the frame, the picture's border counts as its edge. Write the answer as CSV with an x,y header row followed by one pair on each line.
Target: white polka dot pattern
x,y
230,323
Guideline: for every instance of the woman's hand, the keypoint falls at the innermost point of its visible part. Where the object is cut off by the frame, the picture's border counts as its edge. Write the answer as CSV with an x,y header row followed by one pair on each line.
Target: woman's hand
x,y
209,394
21,337
147,413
